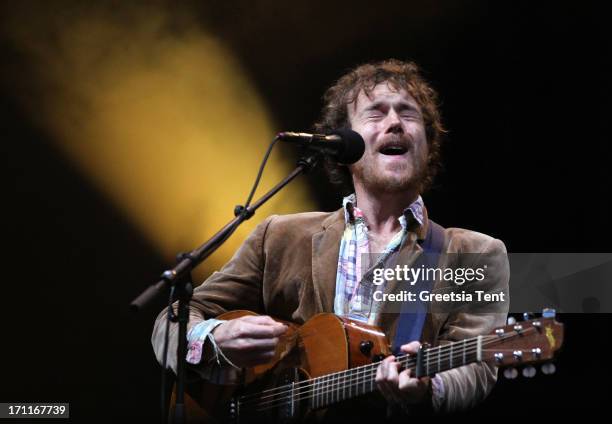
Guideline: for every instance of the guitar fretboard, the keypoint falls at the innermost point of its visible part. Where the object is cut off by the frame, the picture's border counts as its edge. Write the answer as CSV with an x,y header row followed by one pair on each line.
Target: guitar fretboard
x,y
326,390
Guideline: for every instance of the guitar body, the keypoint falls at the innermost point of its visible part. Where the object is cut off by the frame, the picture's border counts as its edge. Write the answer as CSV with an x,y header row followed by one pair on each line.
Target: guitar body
x,y
323,345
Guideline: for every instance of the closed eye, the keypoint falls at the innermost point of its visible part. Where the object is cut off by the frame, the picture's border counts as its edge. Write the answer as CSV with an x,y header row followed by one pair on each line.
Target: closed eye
x,y
410,115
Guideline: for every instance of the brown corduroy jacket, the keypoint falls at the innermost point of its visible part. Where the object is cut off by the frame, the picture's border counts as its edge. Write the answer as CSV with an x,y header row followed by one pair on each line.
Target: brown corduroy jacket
x,y
287,267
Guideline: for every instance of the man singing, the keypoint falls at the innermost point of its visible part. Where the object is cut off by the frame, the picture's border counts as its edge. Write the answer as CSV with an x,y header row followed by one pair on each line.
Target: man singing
x,y
295,266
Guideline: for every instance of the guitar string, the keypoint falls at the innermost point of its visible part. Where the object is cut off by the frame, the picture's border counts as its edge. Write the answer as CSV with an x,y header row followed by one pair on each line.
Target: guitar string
x,y
357,379
337,374
329,387
430,352
332,389
327,396
329,393
431,358
432,355
339,387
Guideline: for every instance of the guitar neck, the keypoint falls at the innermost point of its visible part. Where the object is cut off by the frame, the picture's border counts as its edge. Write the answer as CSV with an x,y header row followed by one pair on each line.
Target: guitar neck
x,y
332,388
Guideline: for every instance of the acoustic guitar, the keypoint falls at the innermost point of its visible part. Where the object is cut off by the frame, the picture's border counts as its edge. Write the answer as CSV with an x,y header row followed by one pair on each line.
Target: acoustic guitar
x,y
330,359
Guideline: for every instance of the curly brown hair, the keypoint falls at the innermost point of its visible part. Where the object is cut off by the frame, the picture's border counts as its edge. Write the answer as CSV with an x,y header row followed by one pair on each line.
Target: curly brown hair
x,y
399,75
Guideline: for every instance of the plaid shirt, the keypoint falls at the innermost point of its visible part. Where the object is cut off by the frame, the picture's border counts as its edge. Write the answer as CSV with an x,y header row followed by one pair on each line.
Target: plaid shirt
x,y
354,296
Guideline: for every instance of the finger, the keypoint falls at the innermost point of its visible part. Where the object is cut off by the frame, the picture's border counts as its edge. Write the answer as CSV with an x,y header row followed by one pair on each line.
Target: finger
x,y
250,346
412,347
381,371
247,329
260,344
392,381
384,366
381,383
407,382
391,374
386,379
379,374
262,320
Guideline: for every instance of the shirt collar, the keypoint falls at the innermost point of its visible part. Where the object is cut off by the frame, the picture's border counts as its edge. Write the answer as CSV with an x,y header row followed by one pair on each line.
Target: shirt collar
x,y
416,211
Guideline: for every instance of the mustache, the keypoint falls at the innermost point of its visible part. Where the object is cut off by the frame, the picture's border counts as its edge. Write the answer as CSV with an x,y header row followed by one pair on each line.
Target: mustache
x,y
403,141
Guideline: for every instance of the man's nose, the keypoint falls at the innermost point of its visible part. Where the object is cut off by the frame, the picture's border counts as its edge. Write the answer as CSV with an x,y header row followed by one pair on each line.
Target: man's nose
x,y
394,123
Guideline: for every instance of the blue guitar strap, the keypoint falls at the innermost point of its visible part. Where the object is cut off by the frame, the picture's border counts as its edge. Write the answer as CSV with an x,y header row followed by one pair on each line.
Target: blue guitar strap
x,y
413,314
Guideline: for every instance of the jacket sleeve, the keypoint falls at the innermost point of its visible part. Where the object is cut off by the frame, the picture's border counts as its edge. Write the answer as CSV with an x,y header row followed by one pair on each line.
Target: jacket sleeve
x,y
466,386
238,285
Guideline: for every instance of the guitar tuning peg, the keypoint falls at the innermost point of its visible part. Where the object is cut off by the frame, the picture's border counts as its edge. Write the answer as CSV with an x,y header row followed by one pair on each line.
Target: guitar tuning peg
x,y
548,313
528,315
529,372
548,368
511,321
510,373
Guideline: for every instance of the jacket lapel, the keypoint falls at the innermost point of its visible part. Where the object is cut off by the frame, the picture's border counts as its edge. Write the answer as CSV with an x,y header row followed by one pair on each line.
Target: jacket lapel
x,y
325,251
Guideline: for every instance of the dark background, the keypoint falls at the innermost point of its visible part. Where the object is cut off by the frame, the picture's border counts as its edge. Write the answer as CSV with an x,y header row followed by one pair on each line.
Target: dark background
x,y
525,92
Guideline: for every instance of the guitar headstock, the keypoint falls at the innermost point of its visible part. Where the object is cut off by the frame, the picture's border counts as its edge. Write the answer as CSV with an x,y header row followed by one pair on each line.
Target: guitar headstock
x,y
523,343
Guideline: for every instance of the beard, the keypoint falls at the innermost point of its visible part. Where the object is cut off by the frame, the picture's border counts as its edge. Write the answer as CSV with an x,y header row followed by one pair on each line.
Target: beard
x,y
405,176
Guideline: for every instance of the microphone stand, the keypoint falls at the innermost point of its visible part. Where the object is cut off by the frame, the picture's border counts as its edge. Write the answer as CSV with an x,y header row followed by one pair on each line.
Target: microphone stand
x,y
178,279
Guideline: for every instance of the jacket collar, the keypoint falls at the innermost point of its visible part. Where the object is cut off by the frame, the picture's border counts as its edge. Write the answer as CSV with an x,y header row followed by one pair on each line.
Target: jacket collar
x,y
414,215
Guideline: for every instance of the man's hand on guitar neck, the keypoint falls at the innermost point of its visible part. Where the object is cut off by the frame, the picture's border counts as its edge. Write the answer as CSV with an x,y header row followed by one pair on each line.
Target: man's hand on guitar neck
x,y
250,340
400,388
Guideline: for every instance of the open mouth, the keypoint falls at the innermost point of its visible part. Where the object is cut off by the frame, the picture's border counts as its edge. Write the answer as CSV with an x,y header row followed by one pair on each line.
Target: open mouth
x,y
393,149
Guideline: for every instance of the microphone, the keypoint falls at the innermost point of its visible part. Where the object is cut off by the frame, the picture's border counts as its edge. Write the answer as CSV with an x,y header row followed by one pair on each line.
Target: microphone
x,y
345,146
